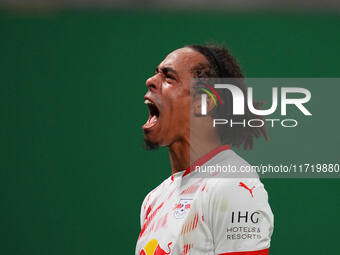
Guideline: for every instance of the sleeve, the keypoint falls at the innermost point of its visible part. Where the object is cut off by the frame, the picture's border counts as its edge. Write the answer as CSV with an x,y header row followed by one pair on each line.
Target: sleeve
x,y
239,217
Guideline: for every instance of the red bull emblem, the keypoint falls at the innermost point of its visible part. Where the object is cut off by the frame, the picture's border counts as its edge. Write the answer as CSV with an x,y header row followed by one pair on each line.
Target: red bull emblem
x,y
153,248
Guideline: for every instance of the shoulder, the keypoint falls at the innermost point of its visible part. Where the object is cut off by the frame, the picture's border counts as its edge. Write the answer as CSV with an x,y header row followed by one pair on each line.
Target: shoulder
x,y
237,191
152,197
232,182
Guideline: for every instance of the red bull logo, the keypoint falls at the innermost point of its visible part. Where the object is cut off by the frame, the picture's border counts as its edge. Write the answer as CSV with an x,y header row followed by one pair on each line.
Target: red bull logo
x,y
153,248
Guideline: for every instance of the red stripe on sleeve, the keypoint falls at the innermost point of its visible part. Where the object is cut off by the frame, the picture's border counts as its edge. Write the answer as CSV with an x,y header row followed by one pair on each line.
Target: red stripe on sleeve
x,y
260,252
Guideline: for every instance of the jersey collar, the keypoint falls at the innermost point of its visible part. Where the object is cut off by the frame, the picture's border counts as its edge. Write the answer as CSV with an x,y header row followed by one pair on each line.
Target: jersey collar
x,y
206,158
203,159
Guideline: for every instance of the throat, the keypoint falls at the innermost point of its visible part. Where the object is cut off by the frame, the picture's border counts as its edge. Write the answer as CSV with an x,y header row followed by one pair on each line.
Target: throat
x,y
184,153
179,153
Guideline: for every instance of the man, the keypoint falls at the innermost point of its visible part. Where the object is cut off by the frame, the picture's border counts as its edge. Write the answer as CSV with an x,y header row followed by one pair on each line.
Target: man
x,y
187,213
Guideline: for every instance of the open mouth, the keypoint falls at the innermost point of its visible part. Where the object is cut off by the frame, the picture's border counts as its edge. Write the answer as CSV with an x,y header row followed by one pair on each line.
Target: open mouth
x,y
153,114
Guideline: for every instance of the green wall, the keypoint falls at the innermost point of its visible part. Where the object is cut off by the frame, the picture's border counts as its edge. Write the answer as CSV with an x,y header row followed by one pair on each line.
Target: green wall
x,y
73,173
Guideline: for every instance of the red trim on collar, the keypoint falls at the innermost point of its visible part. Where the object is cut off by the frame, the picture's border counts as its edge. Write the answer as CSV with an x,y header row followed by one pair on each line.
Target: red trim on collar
x,y
205,158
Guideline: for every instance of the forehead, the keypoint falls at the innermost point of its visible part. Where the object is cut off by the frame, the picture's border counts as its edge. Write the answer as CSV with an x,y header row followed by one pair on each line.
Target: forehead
x,y
183,59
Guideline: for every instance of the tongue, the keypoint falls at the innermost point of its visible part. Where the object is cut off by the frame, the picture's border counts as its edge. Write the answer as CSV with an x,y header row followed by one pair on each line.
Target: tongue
x,y
151,122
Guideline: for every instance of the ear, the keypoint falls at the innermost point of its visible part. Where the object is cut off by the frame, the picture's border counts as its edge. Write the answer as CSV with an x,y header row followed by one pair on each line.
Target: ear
x,y
197,104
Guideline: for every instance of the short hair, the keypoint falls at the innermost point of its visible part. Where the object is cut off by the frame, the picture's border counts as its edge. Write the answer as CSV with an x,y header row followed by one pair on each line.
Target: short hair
x,y
221,64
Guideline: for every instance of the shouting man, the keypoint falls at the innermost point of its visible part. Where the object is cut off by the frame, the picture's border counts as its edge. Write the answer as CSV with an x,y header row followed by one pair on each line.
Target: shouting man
x,y
189,213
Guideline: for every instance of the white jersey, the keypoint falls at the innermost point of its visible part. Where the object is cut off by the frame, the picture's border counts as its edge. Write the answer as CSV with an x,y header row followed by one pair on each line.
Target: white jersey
x,y
206,216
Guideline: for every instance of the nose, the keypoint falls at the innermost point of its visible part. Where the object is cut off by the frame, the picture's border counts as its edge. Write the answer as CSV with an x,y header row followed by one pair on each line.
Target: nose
x,y
153,82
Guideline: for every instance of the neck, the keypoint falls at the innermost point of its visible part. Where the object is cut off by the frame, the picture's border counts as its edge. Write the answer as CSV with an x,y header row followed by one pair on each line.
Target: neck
x,y
185,152
179,153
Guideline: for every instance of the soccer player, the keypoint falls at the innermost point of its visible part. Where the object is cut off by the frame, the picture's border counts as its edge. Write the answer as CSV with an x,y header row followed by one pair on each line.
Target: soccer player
x,y
187,213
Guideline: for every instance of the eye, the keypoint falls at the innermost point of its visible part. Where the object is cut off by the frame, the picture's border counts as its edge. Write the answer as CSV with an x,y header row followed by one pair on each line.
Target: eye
x,y
168,76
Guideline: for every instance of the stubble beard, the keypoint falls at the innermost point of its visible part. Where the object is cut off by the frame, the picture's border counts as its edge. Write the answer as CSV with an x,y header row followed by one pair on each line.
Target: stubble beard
x,y
149,145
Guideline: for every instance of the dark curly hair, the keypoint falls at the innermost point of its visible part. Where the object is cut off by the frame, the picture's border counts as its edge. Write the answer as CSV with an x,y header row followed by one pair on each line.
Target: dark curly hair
x,y
221,64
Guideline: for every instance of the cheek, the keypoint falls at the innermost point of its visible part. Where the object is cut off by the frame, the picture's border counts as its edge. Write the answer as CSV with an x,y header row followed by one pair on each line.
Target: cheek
x,y
176,103
181,109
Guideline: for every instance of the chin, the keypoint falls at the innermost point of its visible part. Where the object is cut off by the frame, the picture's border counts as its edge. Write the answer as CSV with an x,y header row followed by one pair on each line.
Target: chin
x,y
150,141
150,145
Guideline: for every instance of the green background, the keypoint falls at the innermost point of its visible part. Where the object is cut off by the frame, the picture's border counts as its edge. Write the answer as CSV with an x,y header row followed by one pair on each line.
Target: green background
x,y
73,173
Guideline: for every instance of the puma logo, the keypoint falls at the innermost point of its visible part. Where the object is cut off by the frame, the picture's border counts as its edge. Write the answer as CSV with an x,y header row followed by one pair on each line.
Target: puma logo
x,y
245,186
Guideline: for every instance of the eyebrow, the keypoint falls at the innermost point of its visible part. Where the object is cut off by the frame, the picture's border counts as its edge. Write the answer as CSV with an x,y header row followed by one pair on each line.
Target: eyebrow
x,y
166,70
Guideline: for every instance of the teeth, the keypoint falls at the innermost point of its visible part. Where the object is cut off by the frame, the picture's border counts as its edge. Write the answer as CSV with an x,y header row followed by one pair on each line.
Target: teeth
x,y
147,101
153,119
